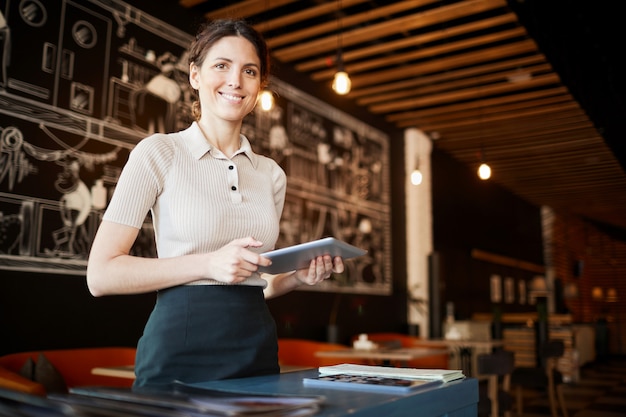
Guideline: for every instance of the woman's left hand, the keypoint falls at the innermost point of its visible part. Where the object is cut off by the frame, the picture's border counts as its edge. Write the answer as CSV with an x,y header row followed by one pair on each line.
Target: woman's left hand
x,y
320,269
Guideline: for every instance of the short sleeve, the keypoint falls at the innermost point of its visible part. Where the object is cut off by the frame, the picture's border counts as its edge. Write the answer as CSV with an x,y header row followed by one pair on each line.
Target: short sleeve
x,y
140,182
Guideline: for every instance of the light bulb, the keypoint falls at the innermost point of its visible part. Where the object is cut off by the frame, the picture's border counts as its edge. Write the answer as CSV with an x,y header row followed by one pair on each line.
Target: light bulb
x,y
416,177
484,171
342,83
267,100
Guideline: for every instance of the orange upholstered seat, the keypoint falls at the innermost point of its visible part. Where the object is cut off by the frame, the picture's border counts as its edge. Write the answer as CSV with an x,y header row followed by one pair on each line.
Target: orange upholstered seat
x,y
74,365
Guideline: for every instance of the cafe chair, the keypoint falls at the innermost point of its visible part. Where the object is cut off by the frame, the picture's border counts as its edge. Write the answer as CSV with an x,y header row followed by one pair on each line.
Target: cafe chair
x,y
495,396
542,378
46,371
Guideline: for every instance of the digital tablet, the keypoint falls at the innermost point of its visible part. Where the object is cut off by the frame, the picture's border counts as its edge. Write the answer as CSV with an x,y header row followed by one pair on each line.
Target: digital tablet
x,y
299,256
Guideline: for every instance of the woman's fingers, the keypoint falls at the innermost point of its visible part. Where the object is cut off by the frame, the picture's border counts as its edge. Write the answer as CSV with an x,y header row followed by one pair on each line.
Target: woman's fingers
x,y
320,269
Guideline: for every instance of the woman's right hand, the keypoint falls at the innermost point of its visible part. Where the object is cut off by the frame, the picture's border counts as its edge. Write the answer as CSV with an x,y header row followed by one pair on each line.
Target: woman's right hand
x,y
234,262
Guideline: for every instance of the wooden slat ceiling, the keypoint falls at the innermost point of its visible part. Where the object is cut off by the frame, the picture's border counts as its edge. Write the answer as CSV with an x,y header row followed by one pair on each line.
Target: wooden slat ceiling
x,y
467,73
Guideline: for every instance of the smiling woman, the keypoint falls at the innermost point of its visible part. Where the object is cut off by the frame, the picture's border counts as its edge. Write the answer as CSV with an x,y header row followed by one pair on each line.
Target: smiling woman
x,y
215,206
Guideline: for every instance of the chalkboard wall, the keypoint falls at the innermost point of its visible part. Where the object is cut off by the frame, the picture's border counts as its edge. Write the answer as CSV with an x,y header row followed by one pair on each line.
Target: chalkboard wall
x,y
82,81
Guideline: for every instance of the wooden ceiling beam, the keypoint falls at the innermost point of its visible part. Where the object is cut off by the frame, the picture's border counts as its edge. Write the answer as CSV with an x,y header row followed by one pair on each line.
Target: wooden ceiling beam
x,y
430,53
561,141
190,3
332,25
521,151
417,41
469,118
515,63
552,186
512,114
449,119
562,123
563,131
244,9
474,82
464,94
496,53
577,160
486,104
377,31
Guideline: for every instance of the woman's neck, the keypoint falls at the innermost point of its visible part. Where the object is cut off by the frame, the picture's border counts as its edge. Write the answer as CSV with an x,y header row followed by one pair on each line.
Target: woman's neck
x,y
222,135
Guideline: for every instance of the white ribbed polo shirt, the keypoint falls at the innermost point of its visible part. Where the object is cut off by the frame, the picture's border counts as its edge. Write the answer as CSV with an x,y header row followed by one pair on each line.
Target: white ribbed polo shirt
x,y
198,198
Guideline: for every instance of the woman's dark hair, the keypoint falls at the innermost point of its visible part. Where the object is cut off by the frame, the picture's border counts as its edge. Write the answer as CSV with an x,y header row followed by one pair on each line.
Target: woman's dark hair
x,y
215,30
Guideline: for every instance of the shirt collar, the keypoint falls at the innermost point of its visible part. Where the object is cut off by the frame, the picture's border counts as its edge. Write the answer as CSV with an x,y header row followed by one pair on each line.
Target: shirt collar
x,y
198,146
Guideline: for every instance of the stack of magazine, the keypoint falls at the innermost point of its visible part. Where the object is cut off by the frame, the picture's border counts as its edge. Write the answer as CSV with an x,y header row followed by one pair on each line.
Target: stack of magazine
x,y
381,378
184,401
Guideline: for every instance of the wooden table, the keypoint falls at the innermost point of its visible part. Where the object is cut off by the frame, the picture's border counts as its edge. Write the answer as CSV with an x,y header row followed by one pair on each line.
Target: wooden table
x,y
454,399
465,348
129,371
380,356
460,343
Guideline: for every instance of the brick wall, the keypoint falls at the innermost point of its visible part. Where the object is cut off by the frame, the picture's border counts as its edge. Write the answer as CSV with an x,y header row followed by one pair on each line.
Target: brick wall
x,y
590,261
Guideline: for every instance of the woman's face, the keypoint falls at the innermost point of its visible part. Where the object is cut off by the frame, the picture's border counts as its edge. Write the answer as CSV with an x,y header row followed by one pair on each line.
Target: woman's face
x,y
229,80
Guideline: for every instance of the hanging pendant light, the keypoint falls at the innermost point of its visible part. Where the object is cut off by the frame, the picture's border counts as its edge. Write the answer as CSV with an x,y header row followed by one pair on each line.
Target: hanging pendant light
x,y
266,100
484,170
416,175
341,83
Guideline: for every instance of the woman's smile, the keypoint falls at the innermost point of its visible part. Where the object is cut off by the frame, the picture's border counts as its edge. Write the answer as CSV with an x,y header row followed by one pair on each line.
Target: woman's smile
x,y
232,97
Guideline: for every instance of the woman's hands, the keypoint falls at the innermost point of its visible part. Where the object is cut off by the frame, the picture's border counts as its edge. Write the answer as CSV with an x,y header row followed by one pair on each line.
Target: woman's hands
x,y
234,263
319,269
111,269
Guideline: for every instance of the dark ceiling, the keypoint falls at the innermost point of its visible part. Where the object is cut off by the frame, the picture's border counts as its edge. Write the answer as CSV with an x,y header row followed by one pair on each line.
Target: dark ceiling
x,y
536,84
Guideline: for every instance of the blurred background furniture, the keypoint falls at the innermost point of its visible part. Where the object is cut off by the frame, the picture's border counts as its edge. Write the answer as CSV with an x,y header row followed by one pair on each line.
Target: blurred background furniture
x,y
300,353
464,340
74,366
495,397
463,352
395,357
519,336
545,378
391,339
400,340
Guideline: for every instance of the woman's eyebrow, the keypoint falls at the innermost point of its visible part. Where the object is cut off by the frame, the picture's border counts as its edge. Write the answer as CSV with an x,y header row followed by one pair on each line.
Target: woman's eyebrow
x,y
250,64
